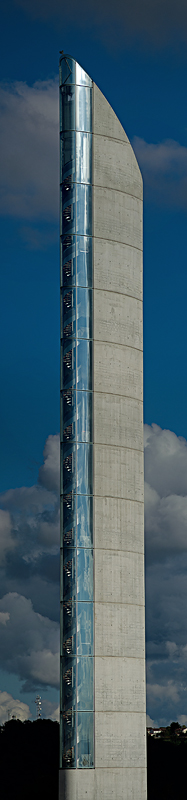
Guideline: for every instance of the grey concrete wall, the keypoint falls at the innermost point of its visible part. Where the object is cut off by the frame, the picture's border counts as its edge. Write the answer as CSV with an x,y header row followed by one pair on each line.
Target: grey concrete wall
x,y
120,723
120,726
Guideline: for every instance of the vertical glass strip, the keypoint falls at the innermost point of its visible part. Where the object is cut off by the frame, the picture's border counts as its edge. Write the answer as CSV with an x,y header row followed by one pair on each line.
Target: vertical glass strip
x,y
77,645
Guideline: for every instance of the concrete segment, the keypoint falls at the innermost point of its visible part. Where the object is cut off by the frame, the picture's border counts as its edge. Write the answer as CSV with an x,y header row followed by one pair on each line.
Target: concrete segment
x,y
118,370
118,420
119,630
118,472
119,524
114,166
120,686
118,319
119,577
103,784
117,216
119,739
105,121
117,268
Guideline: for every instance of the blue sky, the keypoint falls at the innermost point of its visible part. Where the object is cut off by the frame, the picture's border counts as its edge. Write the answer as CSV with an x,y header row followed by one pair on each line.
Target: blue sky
x,y
136,53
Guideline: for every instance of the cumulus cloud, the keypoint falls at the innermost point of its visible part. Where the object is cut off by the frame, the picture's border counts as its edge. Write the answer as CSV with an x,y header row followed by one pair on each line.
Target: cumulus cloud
x,y
10,707
164,169
7,540
166,584
49,473
29,643
29,150
153,20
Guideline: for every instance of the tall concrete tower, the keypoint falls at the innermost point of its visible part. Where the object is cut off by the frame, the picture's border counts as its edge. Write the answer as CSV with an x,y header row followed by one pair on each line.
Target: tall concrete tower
x,y
103,755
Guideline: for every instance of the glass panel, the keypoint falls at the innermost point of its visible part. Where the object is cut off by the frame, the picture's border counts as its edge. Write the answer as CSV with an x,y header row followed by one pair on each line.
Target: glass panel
x,y
85,574
84,261
68,355
68,467
69,739
84,209
84,521
84,313
84,417
81,76
69,576
85,752
67,106
69,519
84,364
68,312
85,629
68,211
69,618
83,157
67,70
83,109
68,682
68,260
67,155
85,683
84,468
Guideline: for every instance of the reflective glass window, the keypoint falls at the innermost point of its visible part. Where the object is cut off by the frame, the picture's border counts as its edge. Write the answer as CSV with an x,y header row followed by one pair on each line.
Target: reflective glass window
x,y
67,105
68,682
67,155
84,261
84,364
84,468
68,211
83,108
84,313
84,521
69,511
68,260
84,209
69,739
68,356
68,312
69,618
85,683
85,629
85,742
84,417
68,466
85,574
81,77
83,157
69,576
67,70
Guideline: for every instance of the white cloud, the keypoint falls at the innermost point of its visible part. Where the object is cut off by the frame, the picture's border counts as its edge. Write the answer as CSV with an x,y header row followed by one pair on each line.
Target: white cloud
x,y
10,707
29,643
149,722
168,691
29,150
7,541
51,710
164,169
49,473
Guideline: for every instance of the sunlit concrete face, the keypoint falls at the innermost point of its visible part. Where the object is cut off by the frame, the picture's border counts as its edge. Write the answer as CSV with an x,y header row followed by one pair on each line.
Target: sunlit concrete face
x,y
103,725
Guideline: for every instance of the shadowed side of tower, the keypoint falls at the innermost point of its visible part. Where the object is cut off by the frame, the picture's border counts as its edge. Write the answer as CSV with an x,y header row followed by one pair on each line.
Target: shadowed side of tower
x,y
103,723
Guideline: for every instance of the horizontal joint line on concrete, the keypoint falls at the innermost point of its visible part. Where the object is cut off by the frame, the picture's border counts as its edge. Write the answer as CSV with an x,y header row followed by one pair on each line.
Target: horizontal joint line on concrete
x,y
114,139
122,294
119,550
116,603
133,246
120,191
116,394
119,446
118,344
105,239
116,497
